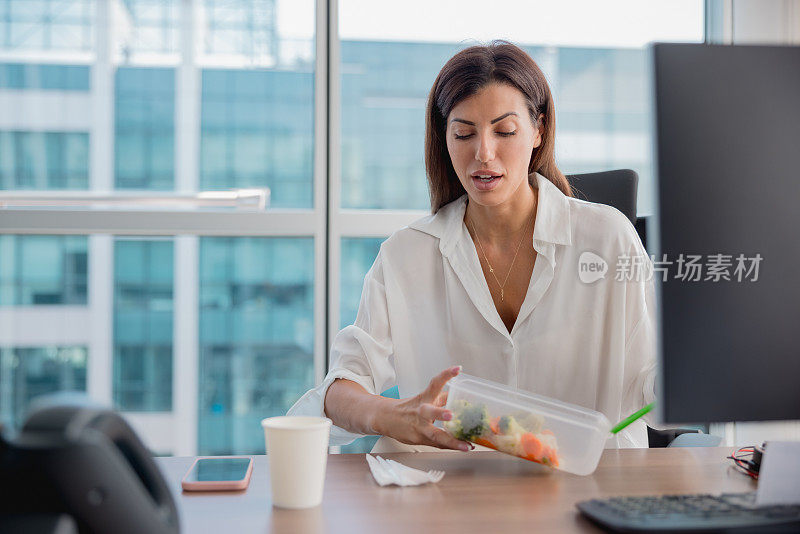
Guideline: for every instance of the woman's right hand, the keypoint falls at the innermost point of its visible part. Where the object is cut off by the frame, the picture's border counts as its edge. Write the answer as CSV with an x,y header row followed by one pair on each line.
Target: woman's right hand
x,y
411,420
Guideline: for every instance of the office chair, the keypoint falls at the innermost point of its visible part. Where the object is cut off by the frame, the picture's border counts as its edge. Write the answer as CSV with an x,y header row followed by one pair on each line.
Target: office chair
x,y
618,189
614,188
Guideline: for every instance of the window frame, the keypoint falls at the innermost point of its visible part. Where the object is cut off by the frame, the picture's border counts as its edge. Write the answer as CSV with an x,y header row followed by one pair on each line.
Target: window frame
x,y
326,222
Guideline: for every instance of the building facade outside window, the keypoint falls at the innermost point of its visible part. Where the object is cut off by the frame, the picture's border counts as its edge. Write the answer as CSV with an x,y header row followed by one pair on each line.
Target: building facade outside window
x,y
160,96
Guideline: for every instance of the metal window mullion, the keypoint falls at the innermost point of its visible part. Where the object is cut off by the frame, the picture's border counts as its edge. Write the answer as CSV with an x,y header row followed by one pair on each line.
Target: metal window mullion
x,y
165,223
186,345
99,367
324,10
718,21
375,223
101,154
187,105
186,283
334,170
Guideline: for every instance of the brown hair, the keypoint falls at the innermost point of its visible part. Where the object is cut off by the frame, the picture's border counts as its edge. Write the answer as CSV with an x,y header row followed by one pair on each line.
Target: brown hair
x,y
464,75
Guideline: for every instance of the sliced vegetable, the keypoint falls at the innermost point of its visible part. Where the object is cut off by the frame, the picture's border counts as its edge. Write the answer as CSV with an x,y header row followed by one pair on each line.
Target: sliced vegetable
x,y
494,424
531,445
471,422
485,443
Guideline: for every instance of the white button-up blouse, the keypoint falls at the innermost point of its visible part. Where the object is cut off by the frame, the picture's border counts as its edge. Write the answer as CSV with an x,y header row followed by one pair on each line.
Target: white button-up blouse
x,y
426,306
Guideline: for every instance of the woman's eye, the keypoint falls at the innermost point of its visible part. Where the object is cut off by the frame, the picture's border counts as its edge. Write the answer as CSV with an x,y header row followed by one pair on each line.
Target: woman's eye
x,y
467,136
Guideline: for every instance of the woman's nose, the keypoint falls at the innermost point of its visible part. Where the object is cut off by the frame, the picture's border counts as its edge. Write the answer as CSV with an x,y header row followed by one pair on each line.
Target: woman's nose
x,y
485,150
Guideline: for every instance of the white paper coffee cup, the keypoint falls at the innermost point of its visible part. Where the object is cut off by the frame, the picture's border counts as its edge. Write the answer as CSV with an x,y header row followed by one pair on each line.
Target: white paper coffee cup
x,y
297,451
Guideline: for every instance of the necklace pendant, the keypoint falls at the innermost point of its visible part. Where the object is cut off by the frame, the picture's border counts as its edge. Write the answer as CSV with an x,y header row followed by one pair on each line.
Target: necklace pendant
x,y
502,297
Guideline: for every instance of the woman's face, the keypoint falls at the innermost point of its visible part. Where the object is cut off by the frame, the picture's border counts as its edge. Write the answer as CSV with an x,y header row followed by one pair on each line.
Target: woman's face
x,y
490,138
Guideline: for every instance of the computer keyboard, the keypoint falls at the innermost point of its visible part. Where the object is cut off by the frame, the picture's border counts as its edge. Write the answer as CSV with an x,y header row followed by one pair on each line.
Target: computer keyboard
x,y
734,512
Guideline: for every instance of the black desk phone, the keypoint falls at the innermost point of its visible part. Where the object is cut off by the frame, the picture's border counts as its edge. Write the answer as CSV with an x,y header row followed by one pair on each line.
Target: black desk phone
x,y
86,465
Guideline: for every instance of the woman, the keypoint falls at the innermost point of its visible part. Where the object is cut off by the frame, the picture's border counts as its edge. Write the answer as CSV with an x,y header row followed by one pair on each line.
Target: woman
x,y
490,281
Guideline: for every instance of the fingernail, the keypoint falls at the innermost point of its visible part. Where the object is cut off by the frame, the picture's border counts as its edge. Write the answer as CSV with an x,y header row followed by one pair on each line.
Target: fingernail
x,y
456,369
447,416
464,447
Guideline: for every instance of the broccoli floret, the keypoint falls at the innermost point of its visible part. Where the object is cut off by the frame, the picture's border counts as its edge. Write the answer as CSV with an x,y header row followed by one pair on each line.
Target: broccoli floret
x,y
507,424
473,420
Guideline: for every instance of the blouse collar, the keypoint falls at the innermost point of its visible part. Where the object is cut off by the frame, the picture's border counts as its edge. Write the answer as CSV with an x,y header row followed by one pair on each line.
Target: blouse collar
x,y
552,223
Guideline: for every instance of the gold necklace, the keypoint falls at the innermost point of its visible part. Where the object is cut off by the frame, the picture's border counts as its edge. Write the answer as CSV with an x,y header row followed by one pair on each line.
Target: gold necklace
x,y
491,269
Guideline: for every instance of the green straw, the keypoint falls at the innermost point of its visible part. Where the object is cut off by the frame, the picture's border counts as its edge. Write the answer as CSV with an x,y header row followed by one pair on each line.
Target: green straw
x,y
631,418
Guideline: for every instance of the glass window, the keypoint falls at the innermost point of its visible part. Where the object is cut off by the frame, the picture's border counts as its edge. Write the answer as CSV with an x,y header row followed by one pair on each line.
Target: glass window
x,y
145,128
43,270
8,171
256,336
47,25
147,26
255,66
27,373
358,255
383,121
31,160
143,319
257,137
73,167
44,77
594,62
241,28
44,160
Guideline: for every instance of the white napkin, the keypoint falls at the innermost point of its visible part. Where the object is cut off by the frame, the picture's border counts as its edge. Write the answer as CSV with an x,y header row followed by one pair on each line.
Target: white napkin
x,y
388,472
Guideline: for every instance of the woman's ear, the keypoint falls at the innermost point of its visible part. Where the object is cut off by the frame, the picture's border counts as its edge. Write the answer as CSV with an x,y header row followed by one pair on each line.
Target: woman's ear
x,y
539,127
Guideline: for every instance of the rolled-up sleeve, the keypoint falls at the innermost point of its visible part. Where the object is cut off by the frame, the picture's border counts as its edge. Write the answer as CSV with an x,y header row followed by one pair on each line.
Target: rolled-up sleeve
x,y
361,352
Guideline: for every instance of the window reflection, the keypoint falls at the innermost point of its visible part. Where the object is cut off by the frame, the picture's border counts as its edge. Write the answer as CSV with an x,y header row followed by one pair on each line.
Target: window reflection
x,y
28,372
256,336
143,319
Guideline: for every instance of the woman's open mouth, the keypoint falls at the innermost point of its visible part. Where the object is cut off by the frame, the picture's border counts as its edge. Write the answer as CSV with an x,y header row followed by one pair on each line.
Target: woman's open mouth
x,y
487,181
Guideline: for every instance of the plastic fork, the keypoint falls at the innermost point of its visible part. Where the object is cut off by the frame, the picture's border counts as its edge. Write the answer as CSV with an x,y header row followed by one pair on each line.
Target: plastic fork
x,y
396,474
414,476
379,472
388,472
430,476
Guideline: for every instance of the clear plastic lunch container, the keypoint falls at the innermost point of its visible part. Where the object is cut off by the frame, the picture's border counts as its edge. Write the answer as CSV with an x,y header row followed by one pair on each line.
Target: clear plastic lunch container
x,y
537,428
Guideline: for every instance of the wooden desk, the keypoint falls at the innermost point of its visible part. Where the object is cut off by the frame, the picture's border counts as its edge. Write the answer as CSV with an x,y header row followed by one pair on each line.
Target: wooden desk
x,y
482,492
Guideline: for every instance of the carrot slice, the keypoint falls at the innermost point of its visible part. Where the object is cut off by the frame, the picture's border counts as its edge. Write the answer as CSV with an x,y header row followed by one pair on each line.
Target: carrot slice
x,y
494,424
485,443
531,445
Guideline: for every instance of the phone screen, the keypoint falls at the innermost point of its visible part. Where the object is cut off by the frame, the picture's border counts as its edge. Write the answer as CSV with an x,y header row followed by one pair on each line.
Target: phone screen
x,y
218,469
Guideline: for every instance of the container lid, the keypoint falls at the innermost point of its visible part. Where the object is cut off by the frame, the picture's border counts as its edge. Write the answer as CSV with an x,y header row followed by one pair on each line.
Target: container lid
x,y
527,401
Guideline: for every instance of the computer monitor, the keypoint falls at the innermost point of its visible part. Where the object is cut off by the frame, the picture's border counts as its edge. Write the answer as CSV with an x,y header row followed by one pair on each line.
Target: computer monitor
x,y
727,161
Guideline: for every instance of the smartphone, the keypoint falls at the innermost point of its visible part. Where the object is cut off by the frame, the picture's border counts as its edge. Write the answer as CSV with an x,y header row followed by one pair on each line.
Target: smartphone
x,y
218,474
